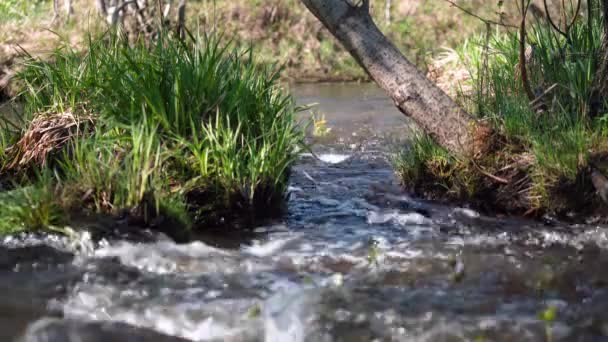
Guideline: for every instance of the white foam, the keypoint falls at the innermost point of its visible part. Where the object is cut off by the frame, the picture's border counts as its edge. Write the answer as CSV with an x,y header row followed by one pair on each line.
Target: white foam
x,y
465,212
333,158
288,316
267,248
294,189
167,257
374,217
199,321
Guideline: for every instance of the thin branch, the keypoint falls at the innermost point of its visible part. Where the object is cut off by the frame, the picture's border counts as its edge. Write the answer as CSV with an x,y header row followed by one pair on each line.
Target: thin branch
x,y
550,20
565,33
181,19
576,14
489,175
522,51
116,13
534,102
474,15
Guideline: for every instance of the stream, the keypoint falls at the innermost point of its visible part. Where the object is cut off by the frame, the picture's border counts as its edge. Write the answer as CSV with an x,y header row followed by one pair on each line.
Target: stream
x,y
353,259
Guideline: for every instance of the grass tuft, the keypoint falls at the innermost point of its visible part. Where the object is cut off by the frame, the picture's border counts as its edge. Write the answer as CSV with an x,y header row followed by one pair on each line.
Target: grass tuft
x,y
152,127
539,153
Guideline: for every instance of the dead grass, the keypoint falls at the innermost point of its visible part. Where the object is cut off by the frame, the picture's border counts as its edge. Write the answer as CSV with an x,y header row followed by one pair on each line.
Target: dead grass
x,y
280,31
47,133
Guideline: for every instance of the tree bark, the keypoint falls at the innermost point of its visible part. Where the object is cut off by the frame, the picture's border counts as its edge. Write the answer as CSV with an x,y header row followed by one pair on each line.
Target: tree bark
x,y
414,94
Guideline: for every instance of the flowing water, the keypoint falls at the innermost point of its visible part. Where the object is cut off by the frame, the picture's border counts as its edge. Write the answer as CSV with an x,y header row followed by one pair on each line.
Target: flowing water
x,y
354,259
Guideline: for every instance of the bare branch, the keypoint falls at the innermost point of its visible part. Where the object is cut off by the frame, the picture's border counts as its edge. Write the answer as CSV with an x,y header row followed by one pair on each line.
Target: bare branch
x,y
540,97
181,19
552,23
113,17
522,51
576,14
474,15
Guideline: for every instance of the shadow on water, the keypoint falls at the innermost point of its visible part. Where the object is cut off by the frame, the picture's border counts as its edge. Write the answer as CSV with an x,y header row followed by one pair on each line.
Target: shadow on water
x,y
353,259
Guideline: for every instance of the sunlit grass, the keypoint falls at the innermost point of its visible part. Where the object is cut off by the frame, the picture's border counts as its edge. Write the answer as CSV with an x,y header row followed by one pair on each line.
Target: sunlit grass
x,y
155,124
552,146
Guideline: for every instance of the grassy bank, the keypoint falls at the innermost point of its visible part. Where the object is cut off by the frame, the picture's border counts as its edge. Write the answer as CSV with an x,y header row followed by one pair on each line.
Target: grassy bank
x,y
279,31
539,156
170,134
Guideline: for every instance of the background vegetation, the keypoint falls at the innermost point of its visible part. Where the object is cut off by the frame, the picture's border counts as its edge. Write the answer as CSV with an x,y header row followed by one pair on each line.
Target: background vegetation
x,y
279,31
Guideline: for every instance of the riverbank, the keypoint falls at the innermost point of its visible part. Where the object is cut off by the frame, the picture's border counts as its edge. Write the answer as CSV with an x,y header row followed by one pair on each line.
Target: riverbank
x,y
177,134
544,155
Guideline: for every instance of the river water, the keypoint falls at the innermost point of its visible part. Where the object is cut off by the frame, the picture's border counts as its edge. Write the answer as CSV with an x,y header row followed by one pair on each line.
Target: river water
x,y
353,259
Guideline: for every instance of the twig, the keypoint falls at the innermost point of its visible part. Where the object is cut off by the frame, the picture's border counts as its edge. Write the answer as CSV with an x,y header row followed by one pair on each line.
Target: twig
x,y
541,96
487,174
474,15
566,33
117,10
181,19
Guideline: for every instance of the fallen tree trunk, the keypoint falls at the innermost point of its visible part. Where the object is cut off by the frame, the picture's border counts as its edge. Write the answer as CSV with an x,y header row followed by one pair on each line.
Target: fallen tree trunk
x,y
414,94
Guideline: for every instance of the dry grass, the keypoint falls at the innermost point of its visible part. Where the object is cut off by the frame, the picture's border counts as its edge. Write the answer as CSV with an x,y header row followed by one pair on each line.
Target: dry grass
x,y
281,31
47,133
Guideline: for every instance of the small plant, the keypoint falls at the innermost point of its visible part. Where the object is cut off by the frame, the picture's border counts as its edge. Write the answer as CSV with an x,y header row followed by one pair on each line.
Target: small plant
x,y
373,253
320,128
254,311
31,208
548,316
